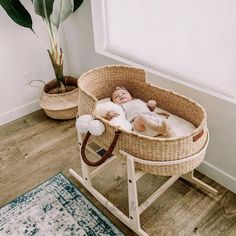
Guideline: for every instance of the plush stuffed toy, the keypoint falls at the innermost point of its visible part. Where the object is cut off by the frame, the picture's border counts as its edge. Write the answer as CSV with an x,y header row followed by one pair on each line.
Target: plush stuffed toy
x,y
103,108
87,123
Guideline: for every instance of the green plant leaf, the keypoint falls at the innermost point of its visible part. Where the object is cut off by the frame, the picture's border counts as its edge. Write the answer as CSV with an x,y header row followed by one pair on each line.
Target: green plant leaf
x,y
61,10
77,4
43,8
17,12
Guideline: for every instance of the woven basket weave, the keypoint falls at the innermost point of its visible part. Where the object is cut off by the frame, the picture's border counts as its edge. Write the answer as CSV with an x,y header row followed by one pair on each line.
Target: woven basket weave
x,y
61,106
100,83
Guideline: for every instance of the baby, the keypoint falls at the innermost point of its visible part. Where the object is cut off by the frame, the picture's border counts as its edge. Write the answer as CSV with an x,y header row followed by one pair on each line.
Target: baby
x,y
140,114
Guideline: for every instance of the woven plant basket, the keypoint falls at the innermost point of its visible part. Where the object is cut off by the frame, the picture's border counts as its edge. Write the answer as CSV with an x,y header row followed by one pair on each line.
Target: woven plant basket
x,y
182,154
60,106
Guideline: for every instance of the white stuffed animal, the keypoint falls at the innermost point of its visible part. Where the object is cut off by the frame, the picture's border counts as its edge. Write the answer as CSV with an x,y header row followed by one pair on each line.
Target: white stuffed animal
x,y
103,108
87,123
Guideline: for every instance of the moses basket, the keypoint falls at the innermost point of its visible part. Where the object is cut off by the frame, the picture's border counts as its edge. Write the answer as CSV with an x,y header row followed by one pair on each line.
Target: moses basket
x,y
171,156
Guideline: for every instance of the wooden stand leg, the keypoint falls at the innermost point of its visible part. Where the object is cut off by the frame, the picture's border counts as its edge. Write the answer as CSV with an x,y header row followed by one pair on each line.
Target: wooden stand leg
x,y
190,177
132,193
85,170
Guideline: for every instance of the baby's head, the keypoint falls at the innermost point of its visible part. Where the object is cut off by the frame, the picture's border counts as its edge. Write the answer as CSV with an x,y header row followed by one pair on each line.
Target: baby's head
x,y
121,95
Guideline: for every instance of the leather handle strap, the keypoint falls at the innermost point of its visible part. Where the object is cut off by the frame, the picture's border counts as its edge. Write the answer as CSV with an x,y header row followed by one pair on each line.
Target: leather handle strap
x,y
198,136
105,156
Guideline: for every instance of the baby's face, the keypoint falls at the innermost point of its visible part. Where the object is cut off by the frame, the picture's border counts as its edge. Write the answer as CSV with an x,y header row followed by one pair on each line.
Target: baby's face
x,y
121,96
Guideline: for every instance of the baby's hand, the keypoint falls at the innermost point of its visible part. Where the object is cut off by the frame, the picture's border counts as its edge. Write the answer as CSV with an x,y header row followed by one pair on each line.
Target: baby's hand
x,y
152,105
111,114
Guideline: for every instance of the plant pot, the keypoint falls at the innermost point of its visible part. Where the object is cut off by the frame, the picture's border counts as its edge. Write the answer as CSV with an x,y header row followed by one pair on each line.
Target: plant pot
x,y
60,106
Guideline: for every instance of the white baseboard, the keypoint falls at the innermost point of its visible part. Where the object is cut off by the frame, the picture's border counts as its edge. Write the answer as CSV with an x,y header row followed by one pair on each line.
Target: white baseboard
x,y
218,175
19,112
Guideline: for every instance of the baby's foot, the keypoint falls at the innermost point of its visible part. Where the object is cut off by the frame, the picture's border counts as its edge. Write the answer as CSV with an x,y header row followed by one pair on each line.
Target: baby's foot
x,y
162,127
169,131
150,123
166,130
158,125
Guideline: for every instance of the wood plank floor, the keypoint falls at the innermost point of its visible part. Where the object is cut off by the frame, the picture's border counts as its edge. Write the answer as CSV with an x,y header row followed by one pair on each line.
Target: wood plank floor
x,y
35,148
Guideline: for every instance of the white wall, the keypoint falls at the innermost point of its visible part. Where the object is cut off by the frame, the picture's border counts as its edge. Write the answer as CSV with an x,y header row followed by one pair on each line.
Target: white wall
x,y
78,42
24,57
30,55
186,39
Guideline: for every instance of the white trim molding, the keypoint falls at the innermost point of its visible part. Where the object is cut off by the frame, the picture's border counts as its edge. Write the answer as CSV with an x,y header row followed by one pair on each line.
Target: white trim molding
x,y
105,47
218,175
19,112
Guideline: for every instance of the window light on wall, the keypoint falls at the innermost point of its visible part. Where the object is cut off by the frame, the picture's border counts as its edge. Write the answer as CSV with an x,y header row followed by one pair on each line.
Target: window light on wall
x,y
191,42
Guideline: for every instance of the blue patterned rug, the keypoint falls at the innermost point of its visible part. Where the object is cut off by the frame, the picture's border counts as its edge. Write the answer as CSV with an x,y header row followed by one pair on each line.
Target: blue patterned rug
x,y
55,207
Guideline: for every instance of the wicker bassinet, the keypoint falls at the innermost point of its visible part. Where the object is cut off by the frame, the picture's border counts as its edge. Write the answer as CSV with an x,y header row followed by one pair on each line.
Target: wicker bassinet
x,y
182,154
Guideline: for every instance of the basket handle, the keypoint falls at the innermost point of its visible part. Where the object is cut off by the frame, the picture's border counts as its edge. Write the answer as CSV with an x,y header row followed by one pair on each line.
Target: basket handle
x,y
36,86
105,156
198,136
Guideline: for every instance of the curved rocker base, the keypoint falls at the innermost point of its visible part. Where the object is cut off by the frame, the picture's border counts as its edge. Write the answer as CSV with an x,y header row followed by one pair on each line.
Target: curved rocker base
x,y
133,221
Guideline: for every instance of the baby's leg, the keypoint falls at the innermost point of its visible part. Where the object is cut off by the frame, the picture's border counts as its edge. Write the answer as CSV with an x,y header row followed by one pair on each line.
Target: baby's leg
x,y
143,122
139,124
158,124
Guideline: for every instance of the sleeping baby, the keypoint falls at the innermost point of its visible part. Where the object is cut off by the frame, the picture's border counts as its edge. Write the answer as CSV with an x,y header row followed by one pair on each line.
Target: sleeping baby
x,y
142,116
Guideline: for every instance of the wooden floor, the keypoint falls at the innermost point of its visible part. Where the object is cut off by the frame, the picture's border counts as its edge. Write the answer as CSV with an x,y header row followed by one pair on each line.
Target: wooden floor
x,y
34,148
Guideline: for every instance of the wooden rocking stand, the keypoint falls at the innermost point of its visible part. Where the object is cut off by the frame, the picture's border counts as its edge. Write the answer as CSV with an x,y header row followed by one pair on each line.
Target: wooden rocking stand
x,y
133,221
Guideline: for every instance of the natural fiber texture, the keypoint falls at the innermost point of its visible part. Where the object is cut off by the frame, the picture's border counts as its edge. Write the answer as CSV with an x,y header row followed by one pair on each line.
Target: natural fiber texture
x,y
62,106
66,114
100,83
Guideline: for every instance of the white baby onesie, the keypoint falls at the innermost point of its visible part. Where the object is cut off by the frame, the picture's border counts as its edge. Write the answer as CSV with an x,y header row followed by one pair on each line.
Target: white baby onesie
x,y
137,107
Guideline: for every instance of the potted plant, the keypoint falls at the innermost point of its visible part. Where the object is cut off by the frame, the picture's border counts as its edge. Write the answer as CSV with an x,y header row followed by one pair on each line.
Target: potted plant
x,y
59,97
